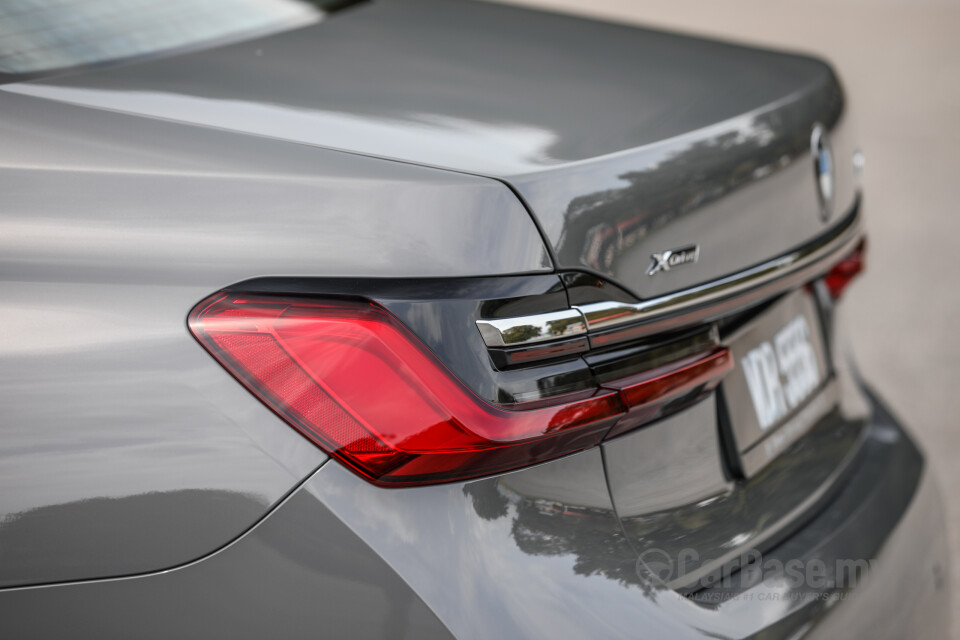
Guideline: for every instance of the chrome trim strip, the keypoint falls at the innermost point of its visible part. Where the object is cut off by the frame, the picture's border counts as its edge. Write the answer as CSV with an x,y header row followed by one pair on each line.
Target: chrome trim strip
x,y
511,332
764,279
532,353
695,304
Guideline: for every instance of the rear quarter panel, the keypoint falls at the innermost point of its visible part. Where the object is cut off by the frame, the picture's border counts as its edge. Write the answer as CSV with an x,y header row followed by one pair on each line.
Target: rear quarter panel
x,y
124,447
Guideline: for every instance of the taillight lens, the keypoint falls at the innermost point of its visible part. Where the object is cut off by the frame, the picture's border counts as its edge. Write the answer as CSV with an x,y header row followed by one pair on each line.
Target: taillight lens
x,y
652,394
354,380
846,270
351,378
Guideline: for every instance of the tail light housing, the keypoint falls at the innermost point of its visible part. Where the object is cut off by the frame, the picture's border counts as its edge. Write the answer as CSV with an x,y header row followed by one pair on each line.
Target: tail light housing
x,y
353,379
842,273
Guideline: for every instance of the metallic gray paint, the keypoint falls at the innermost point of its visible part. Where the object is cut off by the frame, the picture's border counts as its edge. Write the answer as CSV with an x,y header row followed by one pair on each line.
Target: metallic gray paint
x,y
705,301
725,295
518,556
298,574
908,594
125,447
623,142
686,470
117,426
133,199
494,561
754,514
528,558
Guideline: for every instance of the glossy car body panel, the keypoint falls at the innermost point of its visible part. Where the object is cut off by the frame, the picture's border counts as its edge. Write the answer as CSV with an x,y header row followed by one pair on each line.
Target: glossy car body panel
x,y
299,574
185,201
710,144
530,557
534,548
126,448
154,497
517,557
755,514
513,557
687,469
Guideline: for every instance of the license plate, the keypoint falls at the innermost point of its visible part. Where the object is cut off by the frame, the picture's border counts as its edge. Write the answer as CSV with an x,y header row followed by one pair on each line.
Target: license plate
x,y
775,394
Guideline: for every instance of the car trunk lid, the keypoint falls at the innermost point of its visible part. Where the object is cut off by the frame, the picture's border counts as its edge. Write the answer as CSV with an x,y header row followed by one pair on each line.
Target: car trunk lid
x,y
623,142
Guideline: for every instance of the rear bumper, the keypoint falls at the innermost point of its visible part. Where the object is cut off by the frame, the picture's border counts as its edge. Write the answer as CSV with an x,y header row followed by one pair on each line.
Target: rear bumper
x,y
888,519
907,594
510,558
507,557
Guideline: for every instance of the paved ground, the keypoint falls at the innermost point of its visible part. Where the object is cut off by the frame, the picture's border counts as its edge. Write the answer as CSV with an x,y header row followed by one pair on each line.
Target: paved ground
x,y
900,62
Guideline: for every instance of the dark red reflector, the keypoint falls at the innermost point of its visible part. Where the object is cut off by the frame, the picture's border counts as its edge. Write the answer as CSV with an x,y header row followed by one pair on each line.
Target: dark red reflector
x,y
360,385
846,270
655,393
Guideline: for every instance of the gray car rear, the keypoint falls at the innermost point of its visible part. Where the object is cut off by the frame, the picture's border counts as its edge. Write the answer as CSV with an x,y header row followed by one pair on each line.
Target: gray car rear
x,y
455,163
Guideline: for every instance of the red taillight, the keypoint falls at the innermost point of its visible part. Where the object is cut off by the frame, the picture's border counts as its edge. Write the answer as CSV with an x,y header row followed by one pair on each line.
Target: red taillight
x,y
846,270
352,378
649,395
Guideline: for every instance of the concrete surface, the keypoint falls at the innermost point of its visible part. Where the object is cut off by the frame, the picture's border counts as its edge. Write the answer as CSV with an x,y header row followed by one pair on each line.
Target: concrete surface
x,y
900,63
